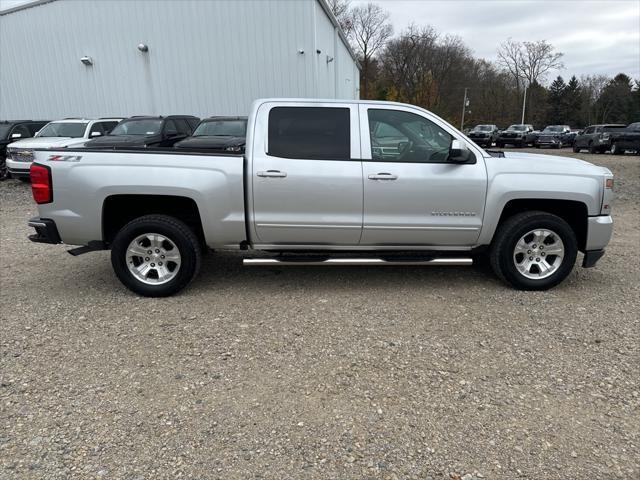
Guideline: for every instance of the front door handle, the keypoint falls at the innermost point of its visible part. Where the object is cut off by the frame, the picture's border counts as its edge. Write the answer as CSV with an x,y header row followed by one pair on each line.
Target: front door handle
x,y
383,176
272,173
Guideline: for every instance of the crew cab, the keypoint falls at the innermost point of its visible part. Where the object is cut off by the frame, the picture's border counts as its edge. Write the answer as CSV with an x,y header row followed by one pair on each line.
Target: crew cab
x,y
484,135
519,135
145,131
555,136
70,132
217,134
322,183
12,131
596,138
627,139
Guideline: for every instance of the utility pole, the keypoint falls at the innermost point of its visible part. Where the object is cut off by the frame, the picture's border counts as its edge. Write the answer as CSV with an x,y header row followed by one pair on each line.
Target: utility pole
x,y
465,104
524,103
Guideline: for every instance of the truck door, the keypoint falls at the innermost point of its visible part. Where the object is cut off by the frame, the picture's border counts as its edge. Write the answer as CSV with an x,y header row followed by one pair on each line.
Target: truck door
x,y
412,195
306,174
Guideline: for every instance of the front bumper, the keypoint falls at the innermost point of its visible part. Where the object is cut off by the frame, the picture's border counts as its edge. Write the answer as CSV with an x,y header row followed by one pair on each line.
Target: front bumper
x,y
18,169
599,231
46,231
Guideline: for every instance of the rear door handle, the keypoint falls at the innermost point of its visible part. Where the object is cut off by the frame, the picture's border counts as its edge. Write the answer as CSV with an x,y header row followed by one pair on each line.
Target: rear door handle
x,y
272,173
383,176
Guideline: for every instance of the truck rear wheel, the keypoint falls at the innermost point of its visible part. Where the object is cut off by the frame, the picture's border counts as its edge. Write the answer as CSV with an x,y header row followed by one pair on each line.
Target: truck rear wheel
x,y
533,250
155,255
616,150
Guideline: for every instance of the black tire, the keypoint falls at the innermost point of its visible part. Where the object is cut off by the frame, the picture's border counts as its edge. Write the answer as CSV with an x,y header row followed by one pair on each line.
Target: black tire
x,y
615,150
576,149
173,229
25,179
593,149
508,234
499,145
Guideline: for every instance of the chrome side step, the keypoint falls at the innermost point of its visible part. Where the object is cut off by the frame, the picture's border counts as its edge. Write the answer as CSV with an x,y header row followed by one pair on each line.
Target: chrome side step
x,y
357,261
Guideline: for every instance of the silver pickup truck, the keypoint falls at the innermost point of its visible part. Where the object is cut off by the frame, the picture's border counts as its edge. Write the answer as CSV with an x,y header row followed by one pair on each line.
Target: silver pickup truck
x,y
322,183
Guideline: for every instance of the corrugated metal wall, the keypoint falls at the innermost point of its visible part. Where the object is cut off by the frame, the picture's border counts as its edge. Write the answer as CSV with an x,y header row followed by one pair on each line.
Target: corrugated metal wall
x,y
204,58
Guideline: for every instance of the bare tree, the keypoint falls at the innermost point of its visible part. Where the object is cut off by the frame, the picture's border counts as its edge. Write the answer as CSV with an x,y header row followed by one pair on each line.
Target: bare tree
x,y
370,31
510,58
537,59
528,62
341,10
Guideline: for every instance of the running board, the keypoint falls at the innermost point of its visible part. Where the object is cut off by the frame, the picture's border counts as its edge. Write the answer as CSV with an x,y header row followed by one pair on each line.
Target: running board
x,y
358,261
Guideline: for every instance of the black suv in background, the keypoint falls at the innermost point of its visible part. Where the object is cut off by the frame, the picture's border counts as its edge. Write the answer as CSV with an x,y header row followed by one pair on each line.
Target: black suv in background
x,y
555,136
626,140
147,131
12,131
596,138
519,135
484,135
217,134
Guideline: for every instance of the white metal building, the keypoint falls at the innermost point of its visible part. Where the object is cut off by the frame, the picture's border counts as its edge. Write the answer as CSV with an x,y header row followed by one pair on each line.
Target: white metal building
x,y
71,58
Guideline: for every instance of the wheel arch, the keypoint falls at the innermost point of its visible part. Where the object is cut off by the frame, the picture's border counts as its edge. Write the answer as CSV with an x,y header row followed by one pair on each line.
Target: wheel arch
x,y
574,212
120,209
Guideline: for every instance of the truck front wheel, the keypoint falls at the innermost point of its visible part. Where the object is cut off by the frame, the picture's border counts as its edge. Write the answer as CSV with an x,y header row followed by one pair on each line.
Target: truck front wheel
x,y
533,250
155,255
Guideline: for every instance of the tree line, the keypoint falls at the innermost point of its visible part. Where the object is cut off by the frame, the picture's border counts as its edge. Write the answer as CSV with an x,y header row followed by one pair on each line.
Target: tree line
x,y
424,67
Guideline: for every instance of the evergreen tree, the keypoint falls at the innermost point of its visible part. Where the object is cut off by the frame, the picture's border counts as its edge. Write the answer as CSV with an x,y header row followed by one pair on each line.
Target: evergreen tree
x,y
572,100
616,100
557,108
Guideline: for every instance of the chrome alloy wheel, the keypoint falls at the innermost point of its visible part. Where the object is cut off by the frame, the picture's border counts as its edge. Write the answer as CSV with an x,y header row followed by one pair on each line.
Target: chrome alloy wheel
x,y
153,259
538,254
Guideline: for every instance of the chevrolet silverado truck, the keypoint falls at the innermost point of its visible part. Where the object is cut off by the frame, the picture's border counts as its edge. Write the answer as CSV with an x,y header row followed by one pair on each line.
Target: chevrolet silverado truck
x,y
597,138
318,186
484,135
555,136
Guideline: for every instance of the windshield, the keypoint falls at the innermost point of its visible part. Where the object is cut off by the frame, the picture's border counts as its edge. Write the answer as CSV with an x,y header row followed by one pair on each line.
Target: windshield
x,y
147,126
518,128
63,129
553,128
223,128
482,128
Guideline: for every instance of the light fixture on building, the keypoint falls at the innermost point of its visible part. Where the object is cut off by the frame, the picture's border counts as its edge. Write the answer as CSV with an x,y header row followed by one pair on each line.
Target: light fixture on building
x,y
301,51
143,47
329,59
87,60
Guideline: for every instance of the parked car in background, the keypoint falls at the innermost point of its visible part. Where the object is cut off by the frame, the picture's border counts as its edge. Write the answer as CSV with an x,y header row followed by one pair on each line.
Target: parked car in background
x,y
596,138
12,131
519,135
147,131
317,188
70,132
627,139
555,136
484,135
217,134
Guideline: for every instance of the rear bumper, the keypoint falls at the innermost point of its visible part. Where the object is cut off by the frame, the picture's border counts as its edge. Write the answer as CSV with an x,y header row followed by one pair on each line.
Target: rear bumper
x,y
46,231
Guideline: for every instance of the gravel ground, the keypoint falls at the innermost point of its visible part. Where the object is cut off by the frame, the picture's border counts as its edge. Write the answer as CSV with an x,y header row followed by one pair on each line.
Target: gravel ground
x,y
353,372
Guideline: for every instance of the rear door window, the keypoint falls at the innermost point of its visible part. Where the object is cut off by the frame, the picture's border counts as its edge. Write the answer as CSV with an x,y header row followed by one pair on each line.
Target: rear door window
x,y
316,133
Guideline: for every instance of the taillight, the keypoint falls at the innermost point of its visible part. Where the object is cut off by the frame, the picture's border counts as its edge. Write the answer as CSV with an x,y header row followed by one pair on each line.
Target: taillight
x,y
41,183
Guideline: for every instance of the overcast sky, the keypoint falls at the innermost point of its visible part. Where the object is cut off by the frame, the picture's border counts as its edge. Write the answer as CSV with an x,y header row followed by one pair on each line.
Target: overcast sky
x,y
596,36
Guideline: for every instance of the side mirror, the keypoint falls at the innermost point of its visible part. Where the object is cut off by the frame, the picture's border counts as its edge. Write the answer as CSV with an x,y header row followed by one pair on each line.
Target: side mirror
x,y
16,135
458,152
95,134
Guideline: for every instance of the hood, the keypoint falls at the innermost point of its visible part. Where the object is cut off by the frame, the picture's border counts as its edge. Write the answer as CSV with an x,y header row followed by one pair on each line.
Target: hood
x,y
48,142
120,141
210,141
520,162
